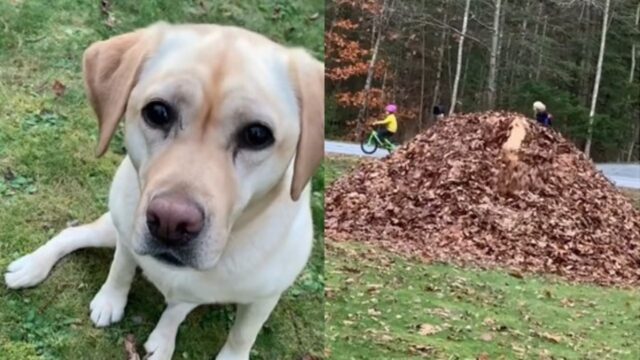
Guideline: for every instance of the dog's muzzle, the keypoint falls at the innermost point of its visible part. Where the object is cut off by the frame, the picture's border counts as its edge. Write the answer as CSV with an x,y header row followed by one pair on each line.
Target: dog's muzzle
x,y
173,222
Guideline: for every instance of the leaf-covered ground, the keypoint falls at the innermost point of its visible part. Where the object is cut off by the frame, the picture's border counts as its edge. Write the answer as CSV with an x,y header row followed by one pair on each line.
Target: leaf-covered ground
x,y
49,177
383,306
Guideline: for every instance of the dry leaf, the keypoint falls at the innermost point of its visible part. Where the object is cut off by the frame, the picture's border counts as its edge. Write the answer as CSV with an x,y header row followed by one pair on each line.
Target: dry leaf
x,y
130,348
422,350
489,322
483,356
516,274
486,337
428,329
105,6
309,357
554,338
374,288
58,88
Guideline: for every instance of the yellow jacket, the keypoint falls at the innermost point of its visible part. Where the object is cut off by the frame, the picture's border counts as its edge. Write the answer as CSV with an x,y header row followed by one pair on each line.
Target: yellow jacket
x,y
390,122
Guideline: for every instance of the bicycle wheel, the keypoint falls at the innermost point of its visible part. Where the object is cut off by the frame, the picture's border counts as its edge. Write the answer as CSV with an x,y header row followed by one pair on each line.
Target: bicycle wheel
x,y
369,145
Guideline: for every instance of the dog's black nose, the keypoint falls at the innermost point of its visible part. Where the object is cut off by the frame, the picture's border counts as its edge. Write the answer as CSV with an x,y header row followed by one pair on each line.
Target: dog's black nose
x,y
174,220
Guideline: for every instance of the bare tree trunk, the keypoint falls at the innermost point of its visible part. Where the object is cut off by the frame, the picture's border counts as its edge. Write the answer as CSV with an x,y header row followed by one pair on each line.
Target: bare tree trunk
x,y
465,72
384,84
443,43
499,55
493,59
585,65
536,37
634,54
518,61
596,85
454,96
634,139
422,70
372,64
523,37
541,46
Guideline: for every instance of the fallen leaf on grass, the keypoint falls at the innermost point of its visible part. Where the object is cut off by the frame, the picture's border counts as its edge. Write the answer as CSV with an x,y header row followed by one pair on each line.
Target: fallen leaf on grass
x,y
374,288
58,88
329,293
545,355
374,312
105,6
486,337
422,350
567,303
309,357
518,349
110,22
483,356
489,322
130,348
444,313
383,338
554,338
428,329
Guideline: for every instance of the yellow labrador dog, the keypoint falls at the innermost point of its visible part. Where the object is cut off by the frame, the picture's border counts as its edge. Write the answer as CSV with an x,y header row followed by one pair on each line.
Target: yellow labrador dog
x,y
224,129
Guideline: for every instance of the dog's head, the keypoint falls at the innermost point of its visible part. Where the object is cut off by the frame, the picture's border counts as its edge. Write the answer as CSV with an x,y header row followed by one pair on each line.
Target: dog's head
x,y
216,119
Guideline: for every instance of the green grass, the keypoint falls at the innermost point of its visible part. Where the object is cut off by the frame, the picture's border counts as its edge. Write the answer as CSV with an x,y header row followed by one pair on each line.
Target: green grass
x,y
49,177
382,306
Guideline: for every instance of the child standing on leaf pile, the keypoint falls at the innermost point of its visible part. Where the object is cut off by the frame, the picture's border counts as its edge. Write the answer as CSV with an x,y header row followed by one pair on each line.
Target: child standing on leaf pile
x,y
542,116
390,123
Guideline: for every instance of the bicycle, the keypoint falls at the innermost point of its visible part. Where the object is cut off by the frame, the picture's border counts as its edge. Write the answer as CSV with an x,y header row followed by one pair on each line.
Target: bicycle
x,y
371,143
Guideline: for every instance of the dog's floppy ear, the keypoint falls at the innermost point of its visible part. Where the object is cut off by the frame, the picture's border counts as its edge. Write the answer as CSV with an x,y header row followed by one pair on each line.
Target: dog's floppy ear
x,y
308,74
110,70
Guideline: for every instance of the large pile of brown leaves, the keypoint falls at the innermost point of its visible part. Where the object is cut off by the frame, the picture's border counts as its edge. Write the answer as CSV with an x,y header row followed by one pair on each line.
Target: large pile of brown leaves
x,y
456,193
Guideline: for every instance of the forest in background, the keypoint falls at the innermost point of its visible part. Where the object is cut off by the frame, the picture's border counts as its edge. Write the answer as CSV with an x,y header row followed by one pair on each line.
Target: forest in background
x,y
488,55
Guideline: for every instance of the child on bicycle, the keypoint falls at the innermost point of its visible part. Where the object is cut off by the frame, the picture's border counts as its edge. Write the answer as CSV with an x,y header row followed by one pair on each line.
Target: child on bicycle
x,y
390,123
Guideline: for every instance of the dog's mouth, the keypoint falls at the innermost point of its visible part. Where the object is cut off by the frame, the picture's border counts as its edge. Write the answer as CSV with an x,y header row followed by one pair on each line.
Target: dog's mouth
x,y
170,259
196,255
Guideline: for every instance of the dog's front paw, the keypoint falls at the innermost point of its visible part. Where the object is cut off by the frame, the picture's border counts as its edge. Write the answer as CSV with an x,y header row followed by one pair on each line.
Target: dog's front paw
x,y
107,307
227,353
160,345
27,271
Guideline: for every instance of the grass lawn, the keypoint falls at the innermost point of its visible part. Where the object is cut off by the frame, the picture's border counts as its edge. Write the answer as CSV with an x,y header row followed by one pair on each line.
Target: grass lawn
x,y
382,306
49,177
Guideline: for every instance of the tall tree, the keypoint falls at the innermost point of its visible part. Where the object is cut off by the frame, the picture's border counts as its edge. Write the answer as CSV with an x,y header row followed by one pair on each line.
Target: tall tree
x,y
493,62
634,54
465,21
440,60
596,84
379,25
423,50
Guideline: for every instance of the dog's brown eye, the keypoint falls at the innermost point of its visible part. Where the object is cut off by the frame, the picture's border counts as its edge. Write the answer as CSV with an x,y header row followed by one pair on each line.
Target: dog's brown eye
x,y
255,137
158,114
